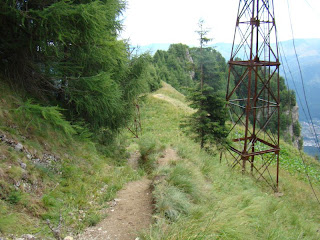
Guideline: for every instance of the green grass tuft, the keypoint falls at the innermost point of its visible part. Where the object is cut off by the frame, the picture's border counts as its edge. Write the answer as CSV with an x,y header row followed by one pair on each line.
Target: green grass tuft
x,y
199,198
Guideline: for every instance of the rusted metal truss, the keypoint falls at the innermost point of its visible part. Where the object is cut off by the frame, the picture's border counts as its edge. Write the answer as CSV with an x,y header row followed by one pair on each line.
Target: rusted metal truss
x,y
253,97
136,129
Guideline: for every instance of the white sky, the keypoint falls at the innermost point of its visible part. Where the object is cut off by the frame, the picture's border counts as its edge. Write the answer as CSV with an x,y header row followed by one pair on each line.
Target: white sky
x,y
175,21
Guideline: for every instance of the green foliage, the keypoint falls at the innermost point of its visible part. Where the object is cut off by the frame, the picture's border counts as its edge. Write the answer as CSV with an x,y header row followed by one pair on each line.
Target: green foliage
x,y
213,68
77,182
207,124
180,66
287,101
148,148
93,219
292,162
97,100
180,177
14,197
67,53
38,116
14,222
175,66
203,32
171,202
152,77
232,205
142,77
296,129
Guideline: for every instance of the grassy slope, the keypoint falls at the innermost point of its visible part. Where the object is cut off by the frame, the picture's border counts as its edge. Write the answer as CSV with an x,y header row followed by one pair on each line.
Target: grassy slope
x,y
77,186
200,198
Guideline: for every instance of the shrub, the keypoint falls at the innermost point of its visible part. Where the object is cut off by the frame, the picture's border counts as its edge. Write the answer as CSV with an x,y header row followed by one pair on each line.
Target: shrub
x,y
14,197
148,147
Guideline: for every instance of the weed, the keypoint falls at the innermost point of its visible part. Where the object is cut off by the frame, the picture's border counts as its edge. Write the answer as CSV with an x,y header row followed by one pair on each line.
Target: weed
x,y
48,201
14,197
148,148
171,202
92,219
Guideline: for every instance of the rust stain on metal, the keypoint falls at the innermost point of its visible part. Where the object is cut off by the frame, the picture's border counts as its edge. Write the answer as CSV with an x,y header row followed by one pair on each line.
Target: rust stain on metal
x,y
253,94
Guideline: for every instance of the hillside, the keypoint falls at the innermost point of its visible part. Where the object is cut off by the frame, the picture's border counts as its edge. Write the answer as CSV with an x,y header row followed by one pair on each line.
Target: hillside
x,y
199,198
50,173
308,52
195,197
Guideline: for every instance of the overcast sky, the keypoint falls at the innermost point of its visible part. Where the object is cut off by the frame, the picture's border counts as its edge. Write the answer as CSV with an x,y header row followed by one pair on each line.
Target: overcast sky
x,y
175,21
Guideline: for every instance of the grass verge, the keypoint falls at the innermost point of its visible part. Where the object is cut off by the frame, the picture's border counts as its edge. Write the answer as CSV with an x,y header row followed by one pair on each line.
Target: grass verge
x,y
199,198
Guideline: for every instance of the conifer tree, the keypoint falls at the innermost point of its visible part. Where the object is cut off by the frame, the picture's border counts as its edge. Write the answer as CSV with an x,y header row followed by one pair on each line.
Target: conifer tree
x,y
207,124
203,39
66,52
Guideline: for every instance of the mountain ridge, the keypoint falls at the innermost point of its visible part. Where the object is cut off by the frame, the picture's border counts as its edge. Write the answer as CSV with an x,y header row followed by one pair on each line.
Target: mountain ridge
x,y
308,51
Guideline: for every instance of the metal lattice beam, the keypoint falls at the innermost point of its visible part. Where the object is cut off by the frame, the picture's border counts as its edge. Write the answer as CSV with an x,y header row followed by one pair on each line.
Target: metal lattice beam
x,y
253,95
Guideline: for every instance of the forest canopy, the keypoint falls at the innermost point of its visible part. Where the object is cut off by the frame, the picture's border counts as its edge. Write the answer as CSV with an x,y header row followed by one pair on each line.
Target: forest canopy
x,y
66,52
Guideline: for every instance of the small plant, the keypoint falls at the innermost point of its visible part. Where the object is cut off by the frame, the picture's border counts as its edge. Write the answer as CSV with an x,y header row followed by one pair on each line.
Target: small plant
x,y
48,201
14,197
148,147
171,202
15,172
93,219
183,179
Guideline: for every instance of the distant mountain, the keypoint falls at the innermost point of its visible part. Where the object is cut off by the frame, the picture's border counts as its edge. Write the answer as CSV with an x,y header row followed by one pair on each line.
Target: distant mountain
x,y
308,51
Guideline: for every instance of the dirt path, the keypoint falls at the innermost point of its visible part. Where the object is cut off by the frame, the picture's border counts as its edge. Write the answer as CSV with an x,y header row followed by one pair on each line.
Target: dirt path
x,y
132,213
169,155
174,102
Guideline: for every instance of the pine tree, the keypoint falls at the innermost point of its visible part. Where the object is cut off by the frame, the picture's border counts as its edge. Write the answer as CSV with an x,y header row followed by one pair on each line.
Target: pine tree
x,y
66,52
207,125
203,39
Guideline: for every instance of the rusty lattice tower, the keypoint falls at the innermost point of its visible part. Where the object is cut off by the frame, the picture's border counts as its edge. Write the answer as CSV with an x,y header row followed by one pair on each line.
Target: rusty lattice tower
x,y
253,92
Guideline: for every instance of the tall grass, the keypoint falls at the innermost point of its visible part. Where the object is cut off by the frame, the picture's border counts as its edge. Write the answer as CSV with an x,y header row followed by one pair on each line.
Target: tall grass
x,y
199,198
76,185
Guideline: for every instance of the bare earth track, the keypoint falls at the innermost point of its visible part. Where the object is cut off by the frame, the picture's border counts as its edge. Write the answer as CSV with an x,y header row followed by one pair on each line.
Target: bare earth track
x,y
131,211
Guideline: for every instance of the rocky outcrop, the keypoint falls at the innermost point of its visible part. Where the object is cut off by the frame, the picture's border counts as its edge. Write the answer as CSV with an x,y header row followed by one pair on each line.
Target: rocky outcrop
x,y
47,159
189,58
290,134
293,114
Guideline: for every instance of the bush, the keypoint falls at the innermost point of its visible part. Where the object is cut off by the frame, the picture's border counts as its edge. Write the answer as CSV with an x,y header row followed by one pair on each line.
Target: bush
x,y
14,197
183,179
148,147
